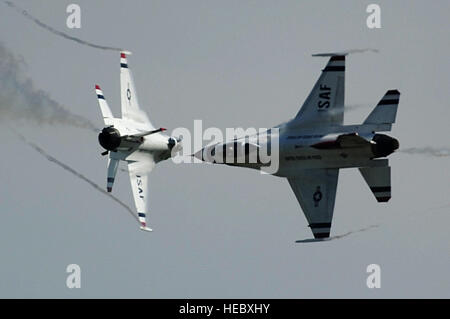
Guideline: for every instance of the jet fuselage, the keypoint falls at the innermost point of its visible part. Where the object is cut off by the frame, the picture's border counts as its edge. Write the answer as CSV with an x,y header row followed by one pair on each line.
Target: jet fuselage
x,y
303,149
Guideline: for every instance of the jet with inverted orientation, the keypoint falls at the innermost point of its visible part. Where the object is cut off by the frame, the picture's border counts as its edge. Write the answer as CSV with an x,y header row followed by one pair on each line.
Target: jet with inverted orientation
x,y
133,139
315,145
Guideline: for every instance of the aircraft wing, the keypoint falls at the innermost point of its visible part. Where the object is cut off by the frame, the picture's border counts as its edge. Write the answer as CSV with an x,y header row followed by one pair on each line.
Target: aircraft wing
x,y
325,103
315,190
138,169
129,99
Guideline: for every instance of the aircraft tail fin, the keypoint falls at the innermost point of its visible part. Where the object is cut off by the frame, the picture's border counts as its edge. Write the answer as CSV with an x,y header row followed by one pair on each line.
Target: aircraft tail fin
x,y
129,101
386,110
379,180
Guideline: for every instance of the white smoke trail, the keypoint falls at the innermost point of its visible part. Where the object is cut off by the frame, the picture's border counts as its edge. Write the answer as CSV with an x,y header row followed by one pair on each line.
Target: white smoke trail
x,y
20,100
79,175
428,150
347,108
353,232
59,33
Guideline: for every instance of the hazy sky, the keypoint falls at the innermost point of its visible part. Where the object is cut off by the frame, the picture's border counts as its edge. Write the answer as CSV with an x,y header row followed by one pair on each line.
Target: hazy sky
x,y
224,231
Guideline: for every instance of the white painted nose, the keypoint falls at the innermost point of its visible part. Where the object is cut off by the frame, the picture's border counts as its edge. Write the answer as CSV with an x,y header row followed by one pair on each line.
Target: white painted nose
x,y
199,155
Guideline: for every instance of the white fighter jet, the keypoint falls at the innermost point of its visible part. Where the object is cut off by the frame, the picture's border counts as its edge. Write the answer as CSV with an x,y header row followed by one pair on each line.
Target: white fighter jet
x,y
133,139
315,145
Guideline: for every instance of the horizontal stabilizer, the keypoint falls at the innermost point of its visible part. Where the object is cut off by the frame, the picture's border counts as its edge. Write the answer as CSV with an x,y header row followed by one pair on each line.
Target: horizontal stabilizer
x,y
386,110
106,111
379,181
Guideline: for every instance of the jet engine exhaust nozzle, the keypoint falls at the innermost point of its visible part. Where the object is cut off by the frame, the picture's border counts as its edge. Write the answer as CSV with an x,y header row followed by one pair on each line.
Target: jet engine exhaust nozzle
x,y
384,145
109,138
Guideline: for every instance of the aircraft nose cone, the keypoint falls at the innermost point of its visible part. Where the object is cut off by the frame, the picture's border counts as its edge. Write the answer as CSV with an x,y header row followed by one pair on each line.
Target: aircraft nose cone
x,y
199,155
